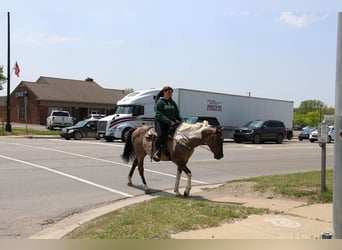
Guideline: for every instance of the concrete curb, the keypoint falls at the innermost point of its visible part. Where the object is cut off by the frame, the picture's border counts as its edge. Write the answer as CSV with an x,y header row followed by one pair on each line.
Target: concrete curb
x,y
61,228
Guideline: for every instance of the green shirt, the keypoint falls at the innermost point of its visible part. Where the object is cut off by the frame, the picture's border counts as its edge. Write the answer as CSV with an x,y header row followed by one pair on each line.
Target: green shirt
x,y
167,111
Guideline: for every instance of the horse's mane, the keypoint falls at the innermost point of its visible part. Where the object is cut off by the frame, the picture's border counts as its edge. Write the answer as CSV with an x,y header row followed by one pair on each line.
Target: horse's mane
x,y
191,130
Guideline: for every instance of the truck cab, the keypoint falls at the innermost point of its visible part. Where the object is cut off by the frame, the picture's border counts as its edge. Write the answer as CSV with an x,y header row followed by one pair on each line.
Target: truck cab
x,y
135,109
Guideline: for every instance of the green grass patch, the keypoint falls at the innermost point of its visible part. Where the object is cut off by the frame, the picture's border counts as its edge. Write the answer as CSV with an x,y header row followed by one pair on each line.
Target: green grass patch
x,y
305,186
160,217
23,131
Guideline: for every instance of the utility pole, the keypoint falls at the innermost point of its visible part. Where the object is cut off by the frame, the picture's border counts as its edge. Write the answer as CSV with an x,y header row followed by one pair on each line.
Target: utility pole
x,y
337,189
8,109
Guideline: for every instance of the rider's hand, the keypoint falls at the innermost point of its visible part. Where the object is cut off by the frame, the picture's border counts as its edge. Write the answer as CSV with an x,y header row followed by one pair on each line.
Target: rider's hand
x,y
173,123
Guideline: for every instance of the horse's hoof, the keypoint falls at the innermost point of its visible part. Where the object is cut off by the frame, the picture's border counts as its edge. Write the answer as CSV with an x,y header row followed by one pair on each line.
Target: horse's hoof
x,y
186,194
129,184
147,191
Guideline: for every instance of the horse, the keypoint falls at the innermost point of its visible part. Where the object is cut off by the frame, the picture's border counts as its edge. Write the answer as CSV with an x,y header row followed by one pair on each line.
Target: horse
x,y
180,147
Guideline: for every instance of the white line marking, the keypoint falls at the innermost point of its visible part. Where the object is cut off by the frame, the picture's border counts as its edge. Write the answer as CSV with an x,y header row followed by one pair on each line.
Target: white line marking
x,y
108,161
90,143
67,175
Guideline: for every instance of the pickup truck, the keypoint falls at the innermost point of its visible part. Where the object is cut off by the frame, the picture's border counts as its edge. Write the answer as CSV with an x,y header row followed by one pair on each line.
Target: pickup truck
x,y
59,119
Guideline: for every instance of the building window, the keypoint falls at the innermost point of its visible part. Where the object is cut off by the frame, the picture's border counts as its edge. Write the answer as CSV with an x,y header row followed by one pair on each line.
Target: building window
x,y
22,113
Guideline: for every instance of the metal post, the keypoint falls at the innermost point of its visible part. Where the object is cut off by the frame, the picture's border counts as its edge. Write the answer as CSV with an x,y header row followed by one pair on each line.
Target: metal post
x,y
337,189
323,166
8,120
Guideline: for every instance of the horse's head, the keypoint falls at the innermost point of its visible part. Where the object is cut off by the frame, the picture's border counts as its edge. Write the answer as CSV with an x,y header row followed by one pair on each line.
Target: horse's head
x,y
215,142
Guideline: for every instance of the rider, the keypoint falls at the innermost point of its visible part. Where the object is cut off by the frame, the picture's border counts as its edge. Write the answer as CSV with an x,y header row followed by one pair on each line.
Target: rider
x,y
167,116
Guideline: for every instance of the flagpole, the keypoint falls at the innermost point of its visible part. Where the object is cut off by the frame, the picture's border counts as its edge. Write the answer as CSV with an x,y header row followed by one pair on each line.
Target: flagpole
x,y
8,127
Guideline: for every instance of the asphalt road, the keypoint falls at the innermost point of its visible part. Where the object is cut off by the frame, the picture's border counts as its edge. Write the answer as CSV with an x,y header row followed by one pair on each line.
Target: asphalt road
x,y
43,181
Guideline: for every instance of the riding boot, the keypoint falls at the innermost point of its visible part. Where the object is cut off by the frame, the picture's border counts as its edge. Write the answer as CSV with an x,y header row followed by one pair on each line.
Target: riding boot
x,y
157,154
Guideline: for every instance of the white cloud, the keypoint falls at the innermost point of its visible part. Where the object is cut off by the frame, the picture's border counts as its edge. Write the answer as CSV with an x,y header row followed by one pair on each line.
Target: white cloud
x,y
43,39
299,21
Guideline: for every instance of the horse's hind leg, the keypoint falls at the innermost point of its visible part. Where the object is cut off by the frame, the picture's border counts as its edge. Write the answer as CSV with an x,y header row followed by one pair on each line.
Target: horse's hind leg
x,y
141,172
131,172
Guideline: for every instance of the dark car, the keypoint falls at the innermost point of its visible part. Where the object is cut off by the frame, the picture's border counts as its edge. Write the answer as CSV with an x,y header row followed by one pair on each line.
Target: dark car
x,y
259,131
297,127
305,133
211,120
83,129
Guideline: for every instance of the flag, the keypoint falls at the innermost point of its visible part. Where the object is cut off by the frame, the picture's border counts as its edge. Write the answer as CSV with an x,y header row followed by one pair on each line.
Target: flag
x,y
16,69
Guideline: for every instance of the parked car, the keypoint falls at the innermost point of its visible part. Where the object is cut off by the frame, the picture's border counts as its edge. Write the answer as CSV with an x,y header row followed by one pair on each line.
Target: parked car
x,y
259,131
289,133
95,116
305,133
331,135
83,129
58,118
297,127
211,120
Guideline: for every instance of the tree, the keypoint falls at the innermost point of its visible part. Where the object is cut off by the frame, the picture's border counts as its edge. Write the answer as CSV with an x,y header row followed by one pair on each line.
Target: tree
x,y
310,105
128,91
2,77
311,112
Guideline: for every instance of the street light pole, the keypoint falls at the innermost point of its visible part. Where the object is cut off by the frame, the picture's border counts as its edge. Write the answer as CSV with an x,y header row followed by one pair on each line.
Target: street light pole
x,y
8,124
337,189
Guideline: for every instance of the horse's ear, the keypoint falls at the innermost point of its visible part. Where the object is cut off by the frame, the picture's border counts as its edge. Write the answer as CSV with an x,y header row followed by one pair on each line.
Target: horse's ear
x,y
219,129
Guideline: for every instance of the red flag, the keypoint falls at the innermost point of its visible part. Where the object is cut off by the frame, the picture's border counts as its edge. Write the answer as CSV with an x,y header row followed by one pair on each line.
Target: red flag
x,y
16,69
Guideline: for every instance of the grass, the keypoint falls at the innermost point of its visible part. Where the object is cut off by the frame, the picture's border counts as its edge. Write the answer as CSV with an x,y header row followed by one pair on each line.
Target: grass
x,y
162,216
304,186
22,131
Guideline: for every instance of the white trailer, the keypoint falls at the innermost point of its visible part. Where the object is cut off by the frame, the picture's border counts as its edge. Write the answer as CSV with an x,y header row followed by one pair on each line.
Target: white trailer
x,y
137,109
232,110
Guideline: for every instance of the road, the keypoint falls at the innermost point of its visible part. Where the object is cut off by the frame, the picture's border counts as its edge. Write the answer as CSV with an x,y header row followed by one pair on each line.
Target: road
x,y
43,181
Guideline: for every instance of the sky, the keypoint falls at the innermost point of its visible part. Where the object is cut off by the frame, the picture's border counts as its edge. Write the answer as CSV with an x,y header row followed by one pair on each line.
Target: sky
x,y
284,49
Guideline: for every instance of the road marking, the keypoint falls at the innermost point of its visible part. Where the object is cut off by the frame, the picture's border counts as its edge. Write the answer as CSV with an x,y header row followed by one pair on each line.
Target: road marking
x,y
253,146
90,143
107,161
283,222
67,175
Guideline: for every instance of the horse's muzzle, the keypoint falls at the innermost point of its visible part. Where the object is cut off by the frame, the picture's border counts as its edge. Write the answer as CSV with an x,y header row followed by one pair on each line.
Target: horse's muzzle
x,y
218,156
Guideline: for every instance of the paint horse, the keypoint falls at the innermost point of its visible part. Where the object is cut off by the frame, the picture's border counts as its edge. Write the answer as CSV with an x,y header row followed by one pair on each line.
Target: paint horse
x,y
180,147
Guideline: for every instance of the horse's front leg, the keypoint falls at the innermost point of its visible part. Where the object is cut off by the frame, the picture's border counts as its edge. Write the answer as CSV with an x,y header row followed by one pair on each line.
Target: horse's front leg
x,y
178,176
188,184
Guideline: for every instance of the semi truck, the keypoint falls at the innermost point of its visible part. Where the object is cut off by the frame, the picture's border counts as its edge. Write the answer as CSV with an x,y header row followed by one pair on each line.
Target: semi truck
x,y
137,109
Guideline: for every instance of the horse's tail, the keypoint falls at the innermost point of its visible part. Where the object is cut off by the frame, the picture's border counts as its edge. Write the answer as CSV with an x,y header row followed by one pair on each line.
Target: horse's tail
x,y
129,152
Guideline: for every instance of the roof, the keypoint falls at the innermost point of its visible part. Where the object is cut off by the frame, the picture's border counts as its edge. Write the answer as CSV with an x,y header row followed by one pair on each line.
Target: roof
x,y
66,90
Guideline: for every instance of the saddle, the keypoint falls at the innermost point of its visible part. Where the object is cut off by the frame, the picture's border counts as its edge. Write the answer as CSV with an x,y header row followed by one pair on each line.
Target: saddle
x,y
151,136
151,133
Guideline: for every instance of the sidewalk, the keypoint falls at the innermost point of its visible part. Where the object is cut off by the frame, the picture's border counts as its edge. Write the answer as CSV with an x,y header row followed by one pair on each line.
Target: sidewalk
x,y
287,219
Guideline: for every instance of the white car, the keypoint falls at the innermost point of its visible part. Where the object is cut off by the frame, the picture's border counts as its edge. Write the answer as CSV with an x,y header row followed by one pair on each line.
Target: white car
x,y
331,135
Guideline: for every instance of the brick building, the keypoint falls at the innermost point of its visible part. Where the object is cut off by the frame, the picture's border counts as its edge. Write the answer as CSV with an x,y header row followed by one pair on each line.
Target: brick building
x,y
80,98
